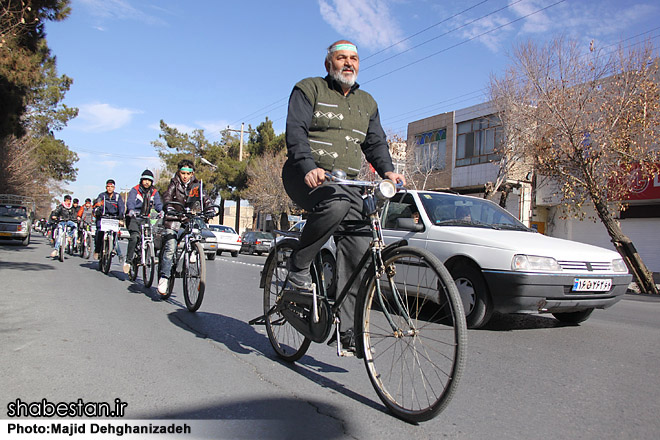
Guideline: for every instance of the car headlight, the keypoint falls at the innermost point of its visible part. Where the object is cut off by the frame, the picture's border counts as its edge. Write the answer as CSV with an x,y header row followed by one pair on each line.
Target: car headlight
x,y
24,226
619,266
533,262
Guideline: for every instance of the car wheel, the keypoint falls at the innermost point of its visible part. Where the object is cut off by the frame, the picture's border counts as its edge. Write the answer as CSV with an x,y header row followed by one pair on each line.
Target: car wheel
x,y
573,317
474,294
210,256
259,253
219,253
234,254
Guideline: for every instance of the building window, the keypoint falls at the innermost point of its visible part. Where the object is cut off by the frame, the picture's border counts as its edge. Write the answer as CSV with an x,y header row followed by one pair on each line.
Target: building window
x,y
430,150
477,139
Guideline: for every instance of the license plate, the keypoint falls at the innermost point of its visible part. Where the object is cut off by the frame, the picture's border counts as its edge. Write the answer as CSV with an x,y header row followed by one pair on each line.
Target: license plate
x,y
592,285
5,234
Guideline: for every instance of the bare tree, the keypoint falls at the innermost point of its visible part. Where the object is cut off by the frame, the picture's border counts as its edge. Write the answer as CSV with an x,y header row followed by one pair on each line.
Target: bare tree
x,y
588,122
265,190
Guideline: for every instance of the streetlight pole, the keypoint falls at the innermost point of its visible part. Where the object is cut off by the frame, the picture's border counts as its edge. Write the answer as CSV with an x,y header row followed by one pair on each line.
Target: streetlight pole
x,y
237,224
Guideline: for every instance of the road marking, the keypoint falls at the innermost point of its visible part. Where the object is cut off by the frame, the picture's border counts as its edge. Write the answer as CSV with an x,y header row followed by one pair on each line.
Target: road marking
x,y
240,262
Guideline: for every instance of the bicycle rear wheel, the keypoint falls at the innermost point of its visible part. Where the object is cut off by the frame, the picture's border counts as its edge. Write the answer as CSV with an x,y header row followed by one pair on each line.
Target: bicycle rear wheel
x,y
194,277
288,343
149,268
415,367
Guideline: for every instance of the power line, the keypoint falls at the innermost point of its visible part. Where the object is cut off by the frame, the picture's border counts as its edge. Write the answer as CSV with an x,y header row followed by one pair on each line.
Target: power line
x,y
465,41
446,33
424,30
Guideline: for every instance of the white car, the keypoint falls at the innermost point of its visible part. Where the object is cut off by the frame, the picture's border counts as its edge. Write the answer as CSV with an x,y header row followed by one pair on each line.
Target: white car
x,y
499,264
228,239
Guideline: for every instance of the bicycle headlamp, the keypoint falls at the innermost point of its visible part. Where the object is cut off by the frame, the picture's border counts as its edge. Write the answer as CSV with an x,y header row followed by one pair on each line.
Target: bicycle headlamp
x,y
386,189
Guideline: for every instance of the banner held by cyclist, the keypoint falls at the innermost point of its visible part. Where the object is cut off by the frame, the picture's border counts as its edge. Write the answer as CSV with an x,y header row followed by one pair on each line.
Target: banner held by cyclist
x,y
330,124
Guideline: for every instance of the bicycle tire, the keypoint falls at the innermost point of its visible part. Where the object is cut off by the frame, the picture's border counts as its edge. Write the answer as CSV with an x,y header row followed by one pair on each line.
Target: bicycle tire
x,y
60,253
149,268
107,253
289,344
194,277
415,372
88,246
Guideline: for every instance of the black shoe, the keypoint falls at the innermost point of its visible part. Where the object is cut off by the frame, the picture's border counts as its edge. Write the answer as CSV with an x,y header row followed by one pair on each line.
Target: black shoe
x,y
300,280
347,340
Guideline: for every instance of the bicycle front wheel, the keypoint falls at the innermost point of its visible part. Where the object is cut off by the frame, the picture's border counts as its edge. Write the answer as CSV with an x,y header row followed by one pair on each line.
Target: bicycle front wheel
x,y
149,267
288,343
106,258
194,277
414,334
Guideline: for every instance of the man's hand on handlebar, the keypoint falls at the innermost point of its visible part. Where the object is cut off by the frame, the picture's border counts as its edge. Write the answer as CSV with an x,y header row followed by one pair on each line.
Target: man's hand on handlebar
x,y
396,177
315,177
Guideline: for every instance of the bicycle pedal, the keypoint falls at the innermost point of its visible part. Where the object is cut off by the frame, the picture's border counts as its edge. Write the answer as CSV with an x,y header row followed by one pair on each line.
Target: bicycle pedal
x,y
345,353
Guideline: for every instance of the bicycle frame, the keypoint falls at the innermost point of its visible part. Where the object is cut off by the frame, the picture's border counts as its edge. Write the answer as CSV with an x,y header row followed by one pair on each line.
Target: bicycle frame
x,y
372,261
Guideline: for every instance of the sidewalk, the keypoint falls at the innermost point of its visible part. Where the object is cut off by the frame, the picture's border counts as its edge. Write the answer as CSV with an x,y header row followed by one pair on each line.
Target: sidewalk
x,y
634,290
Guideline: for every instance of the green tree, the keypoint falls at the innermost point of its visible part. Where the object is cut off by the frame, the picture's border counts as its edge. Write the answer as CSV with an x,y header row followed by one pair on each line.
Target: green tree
x,y
32,160
226,177
265,141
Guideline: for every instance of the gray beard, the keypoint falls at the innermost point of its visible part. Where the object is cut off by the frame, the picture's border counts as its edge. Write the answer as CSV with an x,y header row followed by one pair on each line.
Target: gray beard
x,y
341,79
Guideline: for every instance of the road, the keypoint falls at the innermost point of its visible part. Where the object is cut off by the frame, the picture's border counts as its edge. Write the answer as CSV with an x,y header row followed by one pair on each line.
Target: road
x,y
68,331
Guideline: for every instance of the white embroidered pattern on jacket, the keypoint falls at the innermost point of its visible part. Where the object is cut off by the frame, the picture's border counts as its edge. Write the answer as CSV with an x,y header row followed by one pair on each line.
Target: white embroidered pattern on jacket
x,y
328,115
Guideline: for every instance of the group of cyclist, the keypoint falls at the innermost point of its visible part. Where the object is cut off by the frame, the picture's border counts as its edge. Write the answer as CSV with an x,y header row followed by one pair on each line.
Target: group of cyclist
x,y
69,218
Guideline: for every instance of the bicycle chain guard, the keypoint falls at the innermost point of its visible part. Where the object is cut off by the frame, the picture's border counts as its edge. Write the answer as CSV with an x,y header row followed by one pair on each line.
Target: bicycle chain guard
x,y
296,307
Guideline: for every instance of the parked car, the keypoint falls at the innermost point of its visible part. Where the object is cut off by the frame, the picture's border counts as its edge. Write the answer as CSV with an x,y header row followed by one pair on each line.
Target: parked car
x,y
328,258
15,222
499,264
256,241
228,239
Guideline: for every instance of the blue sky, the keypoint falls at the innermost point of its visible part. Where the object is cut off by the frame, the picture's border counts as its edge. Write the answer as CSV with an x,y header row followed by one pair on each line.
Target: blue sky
x,y
211,63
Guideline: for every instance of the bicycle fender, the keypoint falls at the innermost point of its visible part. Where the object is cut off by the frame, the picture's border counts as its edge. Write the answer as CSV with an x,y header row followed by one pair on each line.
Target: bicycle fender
x,y
292,241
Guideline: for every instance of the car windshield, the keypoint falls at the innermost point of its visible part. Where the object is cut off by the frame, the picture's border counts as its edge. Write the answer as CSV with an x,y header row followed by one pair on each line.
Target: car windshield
x,y
220,228
451,210
264,235
13,211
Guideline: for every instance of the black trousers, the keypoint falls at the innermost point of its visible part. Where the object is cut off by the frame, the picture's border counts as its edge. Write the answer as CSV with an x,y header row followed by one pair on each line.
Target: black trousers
x,y
327,206
134,231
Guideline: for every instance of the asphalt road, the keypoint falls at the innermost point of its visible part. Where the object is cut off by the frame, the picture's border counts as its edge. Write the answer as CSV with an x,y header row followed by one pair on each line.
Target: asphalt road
x,y
67,331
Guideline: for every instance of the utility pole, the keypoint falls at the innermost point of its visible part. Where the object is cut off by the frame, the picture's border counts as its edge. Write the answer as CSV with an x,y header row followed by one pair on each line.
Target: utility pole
x,y
240,159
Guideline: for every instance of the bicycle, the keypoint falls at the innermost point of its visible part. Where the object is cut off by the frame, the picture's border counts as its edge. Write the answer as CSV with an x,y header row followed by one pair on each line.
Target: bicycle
x,y
109,228
409,320
189,260
85,241
144,255
64,239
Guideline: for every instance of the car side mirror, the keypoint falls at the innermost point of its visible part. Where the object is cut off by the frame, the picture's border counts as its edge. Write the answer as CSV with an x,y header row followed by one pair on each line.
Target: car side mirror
x,y
408,224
